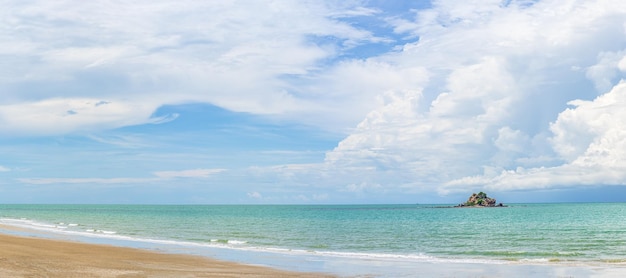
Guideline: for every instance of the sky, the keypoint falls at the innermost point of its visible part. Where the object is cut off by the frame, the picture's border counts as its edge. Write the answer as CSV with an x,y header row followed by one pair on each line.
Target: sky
x,y
312,102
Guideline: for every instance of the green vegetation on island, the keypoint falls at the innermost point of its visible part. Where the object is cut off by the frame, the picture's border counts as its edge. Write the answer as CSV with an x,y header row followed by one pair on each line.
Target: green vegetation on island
x,y
480,200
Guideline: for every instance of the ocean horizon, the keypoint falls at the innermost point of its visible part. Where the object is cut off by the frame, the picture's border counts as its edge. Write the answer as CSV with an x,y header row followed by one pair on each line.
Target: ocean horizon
x,y
321,237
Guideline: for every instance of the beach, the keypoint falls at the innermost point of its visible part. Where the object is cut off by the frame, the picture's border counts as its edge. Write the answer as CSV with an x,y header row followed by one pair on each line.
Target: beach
x,y
521,240
35,257
39,257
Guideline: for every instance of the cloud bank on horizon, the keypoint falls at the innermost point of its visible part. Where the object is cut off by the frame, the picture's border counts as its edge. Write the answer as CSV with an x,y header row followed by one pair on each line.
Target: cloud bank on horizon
x,y
432,98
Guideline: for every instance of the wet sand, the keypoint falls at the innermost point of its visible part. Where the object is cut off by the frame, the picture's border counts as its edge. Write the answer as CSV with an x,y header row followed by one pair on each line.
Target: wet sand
x,y
35,257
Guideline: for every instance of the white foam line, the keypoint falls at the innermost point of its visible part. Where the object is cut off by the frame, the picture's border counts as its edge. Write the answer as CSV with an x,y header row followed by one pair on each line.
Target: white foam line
x,y
241,245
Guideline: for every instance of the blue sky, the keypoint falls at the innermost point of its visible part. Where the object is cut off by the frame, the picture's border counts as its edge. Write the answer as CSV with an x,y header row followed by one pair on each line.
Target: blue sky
x,y
312,101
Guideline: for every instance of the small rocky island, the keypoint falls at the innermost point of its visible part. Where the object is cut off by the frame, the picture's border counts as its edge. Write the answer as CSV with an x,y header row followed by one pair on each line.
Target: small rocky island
x,y
480,200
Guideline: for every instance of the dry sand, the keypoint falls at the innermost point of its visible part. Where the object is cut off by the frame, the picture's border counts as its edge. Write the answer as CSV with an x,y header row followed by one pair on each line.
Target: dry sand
x,y
34,257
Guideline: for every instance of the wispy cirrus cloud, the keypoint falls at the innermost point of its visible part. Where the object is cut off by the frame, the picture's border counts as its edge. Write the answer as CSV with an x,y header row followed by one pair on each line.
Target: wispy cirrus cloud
x,y
514,95
44,181
193,173
158,176
64,115
136,57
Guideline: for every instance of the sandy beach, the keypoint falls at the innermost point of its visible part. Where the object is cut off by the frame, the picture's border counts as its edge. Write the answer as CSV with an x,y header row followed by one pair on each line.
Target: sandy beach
x,y
34,257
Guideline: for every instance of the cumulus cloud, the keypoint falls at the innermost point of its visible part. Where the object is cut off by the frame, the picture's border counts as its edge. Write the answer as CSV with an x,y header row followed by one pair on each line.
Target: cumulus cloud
x,y
493,112
493,94
592,133
589,138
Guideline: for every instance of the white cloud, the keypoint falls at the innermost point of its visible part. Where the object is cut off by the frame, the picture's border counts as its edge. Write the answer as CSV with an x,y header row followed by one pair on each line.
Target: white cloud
x,y
501,95
158,176
193,173
509,140
63,115
448,139
240,55
590,139
592,134
4,169
497,77
42,181
604,73
255,195
362,86
123,141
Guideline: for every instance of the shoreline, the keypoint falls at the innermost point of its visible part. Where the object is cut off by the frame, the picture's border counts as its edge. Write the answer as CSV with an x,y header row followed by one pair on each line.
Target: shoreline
x,y
36,257
282,262
28,256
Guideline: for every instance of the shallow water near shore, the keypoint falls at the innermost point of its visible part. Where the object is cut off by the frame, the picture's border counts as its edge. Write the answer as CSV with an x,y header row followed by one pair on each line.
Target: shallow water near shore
x,y
379,240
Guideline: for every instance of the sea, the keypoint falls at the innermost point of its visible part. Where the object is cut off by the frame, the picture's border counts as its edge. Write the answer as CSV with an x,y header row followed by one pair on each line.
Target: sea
x,y
349,240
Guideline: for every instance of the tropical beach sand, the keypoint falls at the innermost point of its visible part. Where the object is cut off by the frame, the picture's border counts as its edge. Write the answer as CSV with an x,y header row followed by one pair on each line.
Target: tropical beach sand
x,y
38,257
35,257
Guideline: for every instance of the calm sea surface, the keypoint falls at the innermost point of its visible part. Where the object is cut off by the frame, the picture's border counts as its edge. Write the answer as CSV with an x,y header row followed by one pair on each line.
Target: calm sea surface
x,y
553,233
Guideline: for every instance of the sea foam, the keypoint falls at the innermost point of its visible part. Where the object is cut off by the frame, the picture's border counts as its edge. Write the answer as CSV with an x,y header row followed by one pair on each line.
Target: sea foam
x,y
229,244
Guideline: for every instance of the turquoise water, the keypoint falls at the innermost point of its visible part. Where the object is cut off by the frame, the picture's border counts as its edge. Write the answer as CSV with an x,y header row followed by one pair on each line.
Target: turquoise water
x,y
548,233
